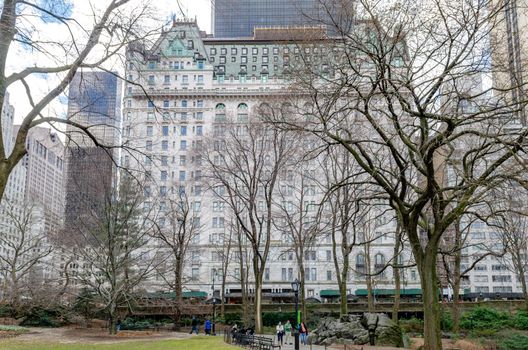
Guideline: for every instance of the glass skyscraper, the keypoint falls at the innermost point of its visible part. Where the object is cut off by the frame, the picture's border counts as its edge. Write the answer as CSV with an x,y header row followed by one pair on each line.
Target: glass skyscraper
x,y
238,18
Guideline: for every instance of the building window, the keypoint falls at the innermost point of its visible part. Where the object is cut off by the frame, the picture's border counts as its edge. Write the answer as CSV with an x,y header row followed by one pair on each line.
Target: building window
x,y
200,79
212,51
164,145
165,130
266,274
199,130
223,51
275,50
148,146
164,160
255,51
244,51
184,103
150,130
361,268
242,112
328,275
150,104
163,175
243,59
222,60
183,130
185,79
182,175
183,145
220,112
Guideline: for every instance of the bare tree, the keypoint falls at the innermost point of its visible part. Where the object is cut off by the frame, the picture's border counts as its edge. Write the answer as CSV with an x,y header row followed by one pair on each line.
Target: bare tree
x,y
84,46
113,249
296,216
176,228
343,214
26,250
246,161
392,90
513,224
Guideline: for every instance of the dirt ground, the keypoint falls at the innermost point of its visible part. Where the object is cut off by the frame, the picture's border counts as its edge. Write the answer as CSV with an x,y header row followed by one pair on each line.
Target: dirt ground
x,y
67,335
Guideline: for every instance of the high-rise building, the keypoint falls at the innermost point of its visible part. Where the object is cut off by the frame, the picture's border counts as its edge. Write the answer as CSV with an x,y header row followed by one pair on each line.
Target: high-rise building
x,y
94,102
238,18
509,53
44,165
191,87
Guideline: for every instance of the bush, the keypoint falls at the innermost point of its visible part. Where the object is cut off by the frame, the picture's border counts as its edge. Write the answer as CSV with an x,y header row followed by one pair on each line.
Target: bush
x,y
520,320
39,317
233,318
446,321
412,325
273,318
482,318
16,329
131,324
514,342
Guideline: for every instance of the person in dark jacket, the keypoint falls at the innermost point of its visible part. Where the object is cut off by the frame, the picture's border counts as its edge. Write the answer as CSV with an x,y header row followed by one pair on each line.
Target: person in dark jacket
x,y
194,325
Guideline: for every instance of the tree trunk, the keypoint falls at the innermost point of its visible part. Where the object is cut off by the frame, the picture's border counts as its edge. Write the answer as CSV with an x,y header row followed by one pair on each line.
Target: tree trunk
x,y
521,271
370,295
303,289
429,282
258,304
457,277
396,275
178,295
343,307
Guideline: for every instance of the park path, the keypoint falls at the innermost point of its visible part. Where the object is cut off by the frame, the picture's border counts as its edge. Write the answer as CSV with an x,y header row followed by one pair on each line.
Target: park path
x,y
68,335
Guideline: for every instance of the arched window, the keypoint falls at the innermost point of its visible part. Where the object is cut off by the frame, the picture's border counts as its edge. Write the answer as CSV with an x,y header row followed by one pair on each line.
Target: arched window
x,y
220,115
361,268
242,113
379,262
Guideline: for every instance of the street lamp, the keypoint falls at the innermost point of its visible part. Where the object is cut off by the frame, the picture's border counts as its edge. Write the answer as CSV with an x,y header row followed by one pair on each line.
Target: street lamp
x,y
296,286
214,302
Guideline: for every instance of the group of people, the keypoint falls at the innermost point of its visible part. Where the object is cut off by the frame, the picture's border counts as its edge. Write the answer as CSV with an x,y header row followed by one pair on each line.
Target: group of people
x,y
208,326
284,333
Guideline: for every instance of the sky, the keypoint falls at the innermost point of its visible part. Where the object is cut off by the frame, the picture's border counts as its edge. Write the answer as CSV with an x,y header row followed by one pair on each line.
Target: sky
x,y
44,28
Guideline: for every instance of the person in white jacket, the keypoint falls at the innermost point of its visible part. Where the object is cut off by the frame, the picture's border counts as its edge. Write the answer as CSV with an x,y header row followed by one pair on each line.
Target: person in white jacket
x,y
280,332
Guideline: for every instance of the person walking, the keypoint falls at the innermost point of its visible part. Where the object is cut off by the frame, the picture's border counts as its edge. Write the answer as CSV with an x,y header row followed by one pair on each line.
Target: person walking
x,y
304,333
280,332
287,332
194,326
207,327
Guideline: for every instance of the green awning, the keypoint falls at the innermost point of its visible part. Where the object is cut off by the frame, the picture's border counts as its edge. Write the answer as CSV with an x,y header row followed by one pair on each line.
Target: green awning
x,y
329,293
388,292
172,295
195,294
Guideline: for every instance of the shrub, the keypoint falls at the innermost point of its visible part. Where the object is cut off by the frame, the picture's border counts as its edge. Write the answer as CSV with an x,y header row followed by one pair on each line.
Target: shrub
x,y
138,325
520,320
16,329
412,325
482,318
446,321
233,318
514,342
273,318
39,317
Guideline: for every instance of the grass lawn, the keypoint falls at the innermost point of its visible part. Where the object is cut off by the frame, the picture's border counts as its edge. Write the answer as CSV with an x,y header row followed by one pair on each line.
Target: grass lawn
x,y
197,343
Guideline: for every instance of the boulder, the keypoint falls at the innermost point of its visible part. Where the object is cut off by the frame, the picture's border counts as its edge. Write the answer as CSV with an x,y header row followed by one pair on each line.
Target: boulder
x,y
354,329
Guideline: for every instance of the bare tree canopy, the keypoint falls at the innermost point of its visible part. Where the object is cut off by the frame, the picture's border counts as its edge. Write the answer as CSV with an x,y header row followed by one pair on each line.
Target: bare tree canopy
x,y
401,90
87,43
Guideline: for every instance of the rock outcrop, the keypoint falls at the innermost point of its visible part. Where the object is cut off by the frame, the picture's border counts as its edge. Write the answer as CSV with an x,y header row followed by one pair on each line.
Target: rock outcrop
x,y
358,330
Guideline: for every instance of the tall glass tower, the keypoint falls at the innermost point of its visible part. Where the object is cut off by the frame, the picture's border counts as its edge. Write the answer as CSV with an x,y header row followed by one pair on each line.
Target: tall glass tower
x,y
238,18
